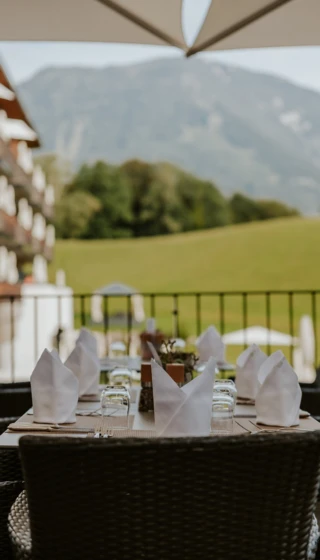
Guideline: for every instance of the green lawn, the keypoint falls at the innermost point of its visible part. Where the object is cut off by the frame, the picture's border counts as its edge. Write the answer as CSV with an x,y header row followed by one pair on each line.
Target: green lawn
x,y
274,255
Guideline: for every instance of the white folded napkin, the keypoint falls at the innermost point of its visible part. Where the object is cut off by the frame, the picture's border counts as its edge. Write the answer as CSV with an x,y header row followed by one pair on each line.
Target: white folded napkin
x,y
54,390
85,367
55,353
210,344
248,365
184,411
90,342
279,396
154,353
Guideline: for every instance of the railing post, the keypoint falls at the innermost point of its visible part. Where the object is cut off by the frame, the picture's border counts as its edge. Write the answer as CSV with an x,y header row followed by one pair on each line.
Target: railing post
x,y
245,317
59,332
268,320
106,322
129,324
221,309
291,324
198,313
175,313
12,335
314,320
83,310
35,312
152,306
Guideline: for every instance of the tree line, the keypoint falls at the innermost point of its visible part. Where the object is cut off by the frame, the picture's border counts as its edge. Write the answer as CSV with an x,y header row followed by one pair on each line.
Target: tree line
x,y
142,199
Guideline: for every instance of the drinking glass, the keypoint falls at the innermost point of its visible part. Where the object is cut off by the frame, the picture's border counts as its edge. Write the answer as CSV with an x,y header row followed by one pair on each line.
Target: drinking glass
x,y
200,367
115,404
179,344
121,376
228,386
118,349
222,412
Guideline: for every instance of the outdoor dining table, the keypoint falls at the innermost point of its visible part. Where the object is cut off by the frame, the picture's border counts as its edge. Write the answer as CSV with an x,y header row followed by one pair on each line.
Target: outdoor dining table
x,y
140,424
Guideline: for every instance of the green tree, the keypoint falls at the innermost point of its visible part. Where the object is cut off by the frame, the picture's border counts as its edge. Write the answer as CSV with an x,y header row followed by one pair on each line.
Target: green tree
x,y
74,213
244,209
140,177
270,209
109,185
202,204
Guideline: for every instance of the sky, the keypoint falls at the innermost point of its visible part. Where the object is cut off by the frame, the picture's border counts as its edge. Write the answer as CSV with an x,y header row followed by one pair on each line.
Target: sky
x,y
299,65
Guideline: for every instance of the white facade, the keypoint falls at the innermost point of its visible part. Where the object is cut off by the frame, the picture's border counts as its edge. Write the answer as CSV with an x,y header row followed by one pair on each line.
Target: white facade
x,y
3,264
7,197
39,227
50,236
39,179
36,325
12,269
25,214
40,270
24,157
49,197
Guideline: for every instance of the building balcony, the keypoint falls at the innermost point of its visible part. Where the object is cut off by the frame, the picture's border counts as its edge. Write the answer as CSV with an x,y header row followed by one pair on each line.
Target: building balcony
x,y
14,173
40,247
47,211
21,241
22,182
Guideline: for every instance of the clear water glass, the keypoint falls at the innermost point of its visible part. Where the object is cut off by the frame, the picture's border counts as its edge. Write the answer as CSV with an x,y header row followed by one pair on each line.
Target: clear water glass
x,y
200,367
228,386
179,344
115,404
118,349
121,376
222,412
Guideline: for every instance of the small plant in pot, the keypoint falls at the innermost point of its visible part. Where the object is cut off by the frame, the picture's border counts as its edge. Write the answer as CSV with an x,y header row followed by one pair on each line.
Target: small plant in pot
x,y
171,355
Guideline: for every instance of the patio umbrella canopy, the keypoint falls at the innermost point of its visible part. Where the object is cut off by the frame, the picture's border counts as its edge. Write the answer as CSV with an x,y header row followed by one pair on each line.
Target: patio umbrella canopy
x,y
116,289
243,24
260,336
115,21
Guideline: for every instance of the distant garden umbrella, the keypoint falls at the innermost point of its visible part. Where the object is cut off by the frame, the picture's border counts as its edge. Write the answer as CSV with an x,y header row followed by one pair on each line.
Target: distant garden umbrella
x,y
153,22
117,289
242,24
258,335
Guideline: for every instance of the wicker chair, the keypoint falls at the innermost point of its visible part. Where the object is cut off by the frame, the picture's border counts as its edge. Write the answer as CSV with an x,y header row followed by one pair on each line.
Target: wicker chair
x,y
11,398
15,398
11,486
311,400
4,422
235,498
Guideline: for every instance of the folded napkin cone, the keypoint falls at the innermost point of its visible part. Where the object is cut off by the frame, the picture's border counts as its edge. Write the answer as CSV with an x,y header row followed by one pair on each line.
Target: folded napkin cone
x,y
183,411
54,390
86,369
90,342
210,345
248,365
279,396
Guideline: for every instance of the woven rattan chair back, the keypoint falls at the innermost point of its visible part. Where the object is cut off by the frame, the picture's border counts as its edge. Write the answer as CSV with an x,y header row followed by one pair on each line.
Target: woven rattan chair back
x,y
15,398
235,498
10,487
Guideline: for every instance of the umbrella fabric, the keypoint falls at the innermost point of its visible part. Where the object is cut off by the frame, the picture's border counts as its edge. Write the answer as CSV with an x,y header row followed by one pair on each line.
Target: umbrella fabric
x,y
112,21
243,24
260,336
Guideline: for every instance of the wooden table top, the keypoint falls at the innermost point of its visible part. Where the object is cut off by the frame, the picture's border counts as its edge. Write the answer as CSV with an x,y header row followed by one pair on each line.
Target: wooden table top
x,y
142,423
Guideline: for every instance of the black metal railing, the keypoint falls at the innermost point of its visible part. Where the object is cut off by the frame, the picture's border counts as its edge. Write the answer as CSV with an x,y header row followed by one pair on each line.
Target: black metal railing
x,y
178,314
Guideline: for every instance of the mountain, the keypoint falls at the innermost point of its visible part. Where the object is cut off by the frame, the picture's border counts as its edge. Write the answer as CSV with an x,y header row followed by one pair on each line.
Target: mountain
x,y
246,131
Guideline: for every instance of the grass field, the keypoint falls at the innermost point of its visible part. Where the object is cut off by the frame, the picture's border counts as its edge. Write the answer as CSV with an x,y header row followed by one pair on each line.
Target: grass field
x,y
274,255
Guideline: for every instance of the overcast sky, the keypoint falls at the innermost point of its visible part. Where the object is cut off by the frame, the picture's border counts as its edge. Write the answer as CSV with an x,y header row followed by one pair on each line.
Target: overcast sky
x,y
300,65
